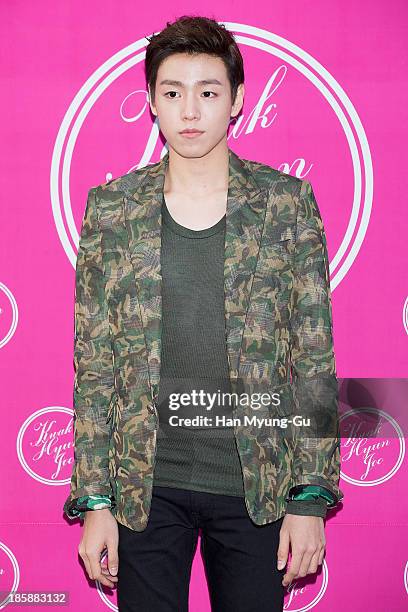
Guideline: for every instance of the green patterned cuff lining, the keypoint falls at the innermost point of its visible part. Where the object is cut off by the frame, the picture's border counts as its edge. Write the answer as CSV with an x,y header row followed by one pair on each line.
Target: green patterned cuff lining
x,y
82,504
311,492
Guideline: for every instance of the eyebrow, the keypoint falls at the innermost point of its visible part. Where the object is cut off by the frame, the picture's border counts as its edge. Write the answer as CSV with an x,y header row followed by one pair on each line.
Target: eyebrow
x,y
180,84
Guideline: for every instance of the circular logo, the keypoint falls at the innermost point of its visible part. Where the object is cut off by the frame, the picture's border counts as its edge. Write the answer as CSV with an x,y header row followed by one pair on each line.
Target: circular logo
x,y
45,443
10,574
8,315
266,42
370,458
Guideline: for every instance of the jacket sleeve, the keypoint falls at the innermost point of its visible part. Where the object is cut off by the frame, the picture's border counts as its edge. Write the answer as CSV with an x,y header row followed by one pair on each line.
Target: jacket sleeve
x,y
316,448
93,366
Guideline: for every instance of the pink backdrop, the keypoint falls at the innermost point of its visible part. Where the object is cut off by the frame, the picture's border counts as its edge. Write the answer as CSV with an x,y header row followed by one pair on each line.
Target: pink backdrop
x,y
326,99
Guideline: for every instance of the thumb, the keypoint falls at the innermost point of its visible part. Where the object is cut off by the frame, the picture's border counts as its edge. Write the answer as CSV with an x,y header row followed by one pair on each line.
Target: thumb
x,y
113,560
283,549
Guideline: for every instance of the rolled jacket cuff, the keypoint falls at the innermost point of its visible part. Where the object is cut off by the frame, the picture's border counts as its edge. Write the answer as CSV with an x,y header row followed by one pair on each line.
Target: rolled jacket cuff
x,y
80,505
307,507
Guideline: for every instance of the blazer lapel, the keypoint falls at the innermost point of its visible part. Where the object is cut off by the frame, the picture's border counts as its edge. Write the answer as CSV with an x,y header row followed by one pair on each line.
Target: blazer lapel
x,y
245,215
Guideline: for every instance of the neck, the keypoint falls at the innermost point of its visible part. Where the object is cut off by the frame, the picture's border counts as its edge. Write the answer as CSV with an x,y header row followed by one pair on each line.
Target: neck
x,y
198,177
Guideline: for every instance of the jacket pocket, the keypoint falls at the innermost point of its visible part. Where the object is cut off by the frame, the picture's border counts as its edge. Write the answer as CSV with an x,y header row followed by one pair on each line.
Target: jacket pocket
x,y
285,406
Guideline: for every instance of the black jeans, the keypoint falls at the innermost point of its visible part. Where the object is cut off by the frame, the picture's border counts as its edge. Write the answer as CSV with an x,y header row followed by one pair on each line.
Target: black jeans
x,y
240,558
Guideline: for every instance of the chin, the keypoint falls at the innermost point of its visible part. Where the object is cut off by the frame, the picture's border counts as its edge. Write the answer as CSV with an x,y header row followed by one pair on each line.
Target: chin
x,y
190,150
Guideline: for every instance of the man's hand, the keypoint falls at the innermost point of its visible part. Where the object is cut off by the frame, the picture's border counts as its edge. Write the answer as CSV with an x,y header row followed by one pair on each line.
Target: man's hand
x,y
100,532
307,539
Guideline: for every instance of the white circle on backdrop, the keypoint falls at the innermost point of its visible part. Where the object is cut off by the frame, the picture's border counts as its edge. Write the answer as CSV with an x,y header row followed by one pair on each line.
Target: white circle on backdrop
x,y
395,468
16,578
14,320
405,315
273,44
19,445
319,595
100,586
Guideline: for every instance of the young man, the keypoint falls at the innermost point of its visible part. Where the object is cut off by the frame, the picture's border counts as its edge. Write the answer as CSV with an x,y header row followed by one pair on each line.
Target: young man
x,y
199,273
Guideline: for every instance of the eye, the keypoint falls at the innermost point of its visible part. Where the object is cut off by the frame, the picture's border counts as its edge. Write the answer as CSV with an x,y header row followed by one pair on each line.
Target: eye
x,y
176,92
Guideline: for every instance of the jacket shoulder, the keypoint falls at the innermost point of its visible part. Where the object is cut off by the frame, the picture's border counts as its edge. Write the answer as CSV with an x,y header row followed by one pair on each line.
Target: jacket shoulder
x,y
126,182
267,177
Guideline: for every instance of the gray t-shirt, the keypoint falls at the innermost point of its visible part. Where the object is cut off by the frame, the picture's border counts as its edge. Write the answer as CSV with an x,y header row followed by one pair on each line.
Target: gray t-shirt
x,y
194,357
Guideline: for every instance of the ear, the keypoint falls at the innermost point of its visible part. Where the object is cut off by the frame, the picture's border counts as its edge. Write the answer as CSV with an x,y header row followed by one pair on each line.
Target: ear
x,y
152,106
239,100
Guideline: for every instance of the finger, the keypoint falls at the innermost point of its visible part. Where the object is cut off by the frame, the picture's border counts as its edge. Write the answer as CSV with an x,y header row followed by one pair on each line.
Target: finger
x,y
106,573
96,570
84,558
304,566
293,567
313,565
321,555
106,581
94,563
283,550
105,578
113,559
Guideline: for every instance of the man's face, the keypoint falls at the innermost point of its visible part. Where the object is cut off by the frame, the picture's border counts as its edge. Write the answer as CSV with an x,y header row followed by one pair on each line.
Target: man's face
x,y
194,92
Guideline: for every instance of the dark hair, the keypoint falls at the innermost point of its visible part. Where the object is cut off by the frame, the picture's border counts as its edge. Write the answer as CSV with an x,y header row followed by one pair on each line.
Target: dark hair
x,y
192,34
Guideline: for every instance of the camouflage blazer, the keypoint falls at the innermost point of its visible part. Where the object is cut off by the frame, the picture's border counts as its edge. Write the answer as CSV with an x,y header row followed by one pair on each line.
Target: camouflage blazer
x,y
278,331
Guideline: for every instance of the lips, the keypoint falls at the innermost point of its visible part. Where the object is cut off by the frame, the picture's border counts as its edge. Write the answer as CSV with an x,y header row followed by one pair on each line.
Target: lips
x,y
191,134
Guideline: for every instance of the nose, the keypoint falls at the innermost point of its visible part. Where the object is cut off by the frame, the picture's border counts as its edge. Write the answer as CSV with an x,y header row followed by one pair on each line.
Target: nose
x,y
190,108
